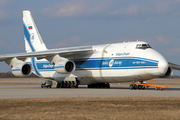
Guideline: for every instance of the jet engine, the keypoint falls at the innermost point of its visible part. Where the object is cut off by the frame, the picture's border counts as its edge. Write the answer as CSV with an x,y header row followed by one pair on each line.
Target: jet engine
x,y
169,72
23,69
65,67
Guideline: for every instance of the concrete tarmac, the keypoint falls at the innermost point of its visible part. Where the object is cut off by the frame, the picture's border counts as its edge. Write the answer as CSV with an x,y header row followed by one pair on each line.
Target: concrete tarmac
x,y
35,91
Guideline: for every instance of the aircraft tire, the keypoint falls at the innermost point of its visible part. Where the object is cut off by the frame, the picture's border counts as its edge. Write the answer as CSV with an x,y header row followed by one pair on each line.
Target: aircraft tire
x,y
107,85
101,85
70,85
140,87
135,86
63,85
73,84
131,86
89,86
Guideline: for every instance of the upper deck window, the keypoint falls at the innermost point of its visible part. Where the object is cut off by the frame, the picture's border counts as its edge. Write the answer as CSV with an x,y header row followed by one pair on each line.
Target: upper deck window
x,y
143,46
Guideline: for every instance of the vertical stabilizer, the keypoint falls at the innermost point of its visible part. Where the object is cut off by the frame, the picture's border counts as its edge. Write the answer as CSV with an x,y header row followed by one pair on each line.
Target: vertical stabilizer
x,y
32,37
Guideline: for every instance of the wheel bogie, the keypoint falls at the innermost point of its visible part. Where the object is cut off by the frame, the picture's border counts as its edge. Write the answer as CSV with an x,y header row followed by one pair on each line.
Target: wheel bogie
x,y
134,87
67,84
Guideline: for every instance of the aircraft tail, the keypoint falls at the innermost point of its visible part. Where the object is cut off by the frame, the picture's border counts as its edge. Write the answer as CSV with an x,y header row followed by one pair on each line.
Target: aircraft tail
x,y
32,37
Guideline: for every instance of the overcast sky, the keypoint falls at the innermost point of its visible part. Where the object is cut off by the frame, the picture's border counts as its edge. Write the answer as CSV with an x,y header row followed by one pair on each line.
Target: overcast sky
x,y
65,23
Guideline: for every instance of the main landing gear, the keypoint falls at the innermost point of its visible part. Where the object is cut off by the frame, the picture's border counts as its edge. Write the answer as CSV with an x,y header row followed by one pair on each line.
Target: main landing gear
x,y
99,85
67,84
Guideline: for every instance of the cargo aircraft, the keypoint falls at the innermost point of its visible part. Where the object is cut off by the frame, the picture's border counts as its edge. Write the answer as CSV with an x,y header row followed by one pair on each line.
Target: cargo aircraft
x,y
95,66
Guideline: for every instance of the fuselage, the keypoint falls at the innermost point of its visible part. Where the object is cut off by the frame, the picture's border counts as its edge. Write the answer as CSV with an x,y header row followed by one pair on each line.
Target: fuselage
x,y
111,63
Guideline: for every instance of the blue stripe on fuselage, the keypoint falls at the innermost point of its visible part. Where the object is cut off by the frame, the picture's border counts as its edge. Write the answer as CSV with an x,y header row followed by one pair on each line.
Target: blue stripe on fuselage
x,y
97,64
34,65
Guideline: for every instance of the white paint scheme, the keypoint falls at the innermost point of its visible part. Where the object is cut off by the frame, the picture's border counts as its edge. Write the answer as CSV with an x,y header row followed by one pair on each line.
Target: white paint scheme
x,y
116,76
113,63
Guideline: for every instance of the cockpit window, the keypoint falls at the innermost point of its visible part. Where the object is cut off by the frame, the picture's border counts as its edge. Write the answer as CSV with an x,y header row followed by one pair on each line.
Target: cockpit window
x,y
143,46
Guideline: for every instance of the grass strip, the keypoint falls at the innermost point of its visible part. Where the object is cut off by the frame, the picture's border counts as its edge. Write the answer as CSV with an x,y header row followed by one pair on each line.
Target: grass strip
x,y
87,108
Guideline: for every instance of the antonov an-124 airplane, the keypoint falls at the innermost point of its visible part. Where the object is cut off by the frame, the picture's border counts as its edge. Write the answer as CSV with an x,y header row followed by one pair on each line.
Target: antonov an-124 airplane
x,y
95,66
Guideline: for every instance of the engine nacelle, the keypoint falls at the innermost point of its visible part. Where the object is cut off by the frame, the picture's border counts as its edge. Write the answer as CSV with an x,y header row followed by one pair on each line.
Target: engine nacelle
x,y
169,72
23,69
64,67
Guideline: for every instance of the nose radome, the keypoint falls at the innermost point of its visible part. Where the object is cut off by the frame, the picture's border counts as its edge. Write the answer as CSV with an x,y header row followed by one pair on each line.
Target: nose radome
x,y
163,66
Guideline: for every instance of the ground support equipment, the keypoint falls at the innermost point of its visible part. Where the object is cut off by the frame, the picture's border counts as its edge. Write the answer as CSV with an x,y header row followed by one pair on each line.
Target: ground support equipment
x,y
147,85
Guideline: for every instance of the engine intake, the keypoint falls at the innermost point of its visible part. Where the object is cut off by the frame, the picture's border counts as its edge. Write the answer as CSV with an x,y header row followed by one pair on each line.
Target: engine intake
x,y
169,72
22,70
65,67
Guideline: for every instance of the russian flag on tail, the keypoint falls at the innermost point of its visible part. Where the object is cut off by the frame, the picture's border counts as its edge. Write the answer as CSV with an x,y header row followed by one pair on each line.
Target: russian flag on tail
x,y
30,27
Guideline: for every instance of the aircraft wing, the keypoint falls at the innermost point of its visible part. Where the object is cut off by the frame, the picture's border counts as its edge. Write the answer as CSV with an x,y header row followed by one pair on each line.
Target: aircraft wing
x,y
174,66
63,52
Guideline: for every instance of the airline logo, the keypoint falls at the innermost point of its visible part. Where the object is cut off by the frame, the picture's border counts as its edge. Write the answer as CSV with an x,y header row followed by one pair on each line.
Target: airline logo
x,y
32,37
111,63
30,27
48,66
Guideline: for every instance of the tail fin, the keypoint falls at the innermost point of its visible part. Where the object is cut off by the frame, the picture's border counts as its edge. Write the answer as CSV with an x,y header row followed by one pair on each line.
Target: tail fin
x,y
32,37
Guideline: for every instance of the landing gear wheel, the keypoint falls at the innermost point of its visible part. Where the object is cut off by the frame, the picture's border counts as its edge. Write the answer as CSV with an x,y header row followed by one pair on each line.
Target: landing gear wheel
x,y
135,86
60,85
131,86
73,84
108,85
70,85
63,85
139,87
89,86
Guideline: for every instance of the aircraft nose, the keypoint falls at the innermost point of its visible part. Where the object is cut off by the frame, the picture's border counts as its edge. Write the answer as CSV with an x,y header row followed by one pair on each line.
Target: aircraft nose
x,y
163,66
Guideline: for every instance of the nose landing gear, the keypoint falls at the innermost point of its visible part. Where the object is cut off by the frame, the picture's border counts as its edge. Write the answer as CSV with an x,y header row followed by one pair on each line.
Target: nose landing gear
x,y
142,86
133,86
